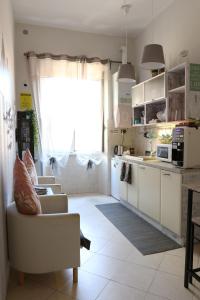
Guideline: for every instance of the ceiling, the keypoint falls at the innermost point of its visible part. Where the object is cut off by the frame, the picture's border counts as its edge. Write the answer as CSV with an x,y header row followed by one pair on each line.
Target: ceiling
x,y
94,16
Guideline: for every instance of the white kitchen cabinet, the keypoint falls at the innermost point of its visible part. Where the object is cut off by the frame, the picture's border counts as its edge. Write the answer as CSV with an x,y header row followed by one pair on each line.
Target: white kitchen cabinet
x,y
118,187
149,191
149,98
171,201
133,187
138,94
123,190
184,92
115,178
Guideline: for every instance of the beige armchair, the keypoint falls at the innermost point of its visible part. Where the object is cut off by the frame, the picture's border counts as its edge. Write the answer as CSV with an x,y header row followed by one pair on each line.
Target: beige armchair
x,y
46,242
49,181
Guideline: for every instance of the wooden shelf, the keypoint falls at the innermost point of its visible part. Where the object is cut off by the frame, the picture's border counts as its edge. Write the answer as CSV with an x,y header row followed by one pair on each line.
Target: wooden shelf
x,y
138,125
160,124
155,77
155,100
138,105
180,89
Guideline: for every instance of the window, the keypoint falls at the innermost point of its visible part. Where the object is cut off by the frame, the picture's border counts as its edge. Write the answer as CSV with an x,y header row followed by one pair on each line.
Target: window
x,y
71,114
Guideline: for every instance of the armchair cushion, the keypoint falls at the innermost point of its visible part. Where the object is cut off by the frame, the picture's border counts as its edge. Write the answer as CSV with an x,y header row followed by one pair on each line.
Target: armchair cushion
x,y
52,204
46,180
29,163
26,199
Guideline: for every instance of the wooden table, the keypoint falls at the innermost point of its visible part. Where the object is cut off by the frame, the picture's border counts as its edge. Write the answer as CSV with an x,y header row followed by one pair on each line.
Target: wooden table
x,y
189,272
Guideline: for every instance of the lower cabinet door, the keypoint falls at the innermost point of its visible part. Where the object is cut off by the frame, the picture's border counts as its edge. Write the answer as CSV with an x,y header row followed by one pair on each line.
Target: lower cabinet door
x,y
122,186
149,191
123,190
133,187
171,201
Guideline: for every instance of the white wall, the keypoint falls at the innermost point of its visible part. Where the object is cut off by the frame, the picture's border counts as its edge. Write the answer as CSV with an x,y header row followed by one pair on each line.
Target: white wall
x,y
176,29
75,178
60,41
6,154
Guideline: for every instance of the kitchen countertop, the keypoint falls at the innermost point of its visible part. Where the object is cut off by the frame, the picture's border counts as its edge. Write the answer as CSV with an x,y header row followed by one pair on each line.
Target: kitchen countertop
x,y
159,165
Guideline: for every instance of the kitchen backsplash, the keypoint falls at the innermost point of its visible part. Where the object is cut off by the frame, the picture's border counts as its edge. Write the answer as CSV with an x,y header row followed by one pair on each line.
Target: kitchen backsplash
x,y
146,139
141,138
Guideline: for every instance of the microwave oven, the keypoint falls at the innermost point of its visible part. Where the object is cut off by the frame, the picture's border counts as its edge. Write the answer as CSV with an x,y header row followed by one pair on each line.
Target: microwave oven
x,y
164,152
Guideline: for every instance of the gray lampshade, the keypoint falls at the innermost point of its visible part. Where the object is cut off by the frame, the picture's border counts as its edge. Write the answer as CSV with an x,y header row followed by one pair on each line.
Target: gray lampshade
x,y
153,57
126,73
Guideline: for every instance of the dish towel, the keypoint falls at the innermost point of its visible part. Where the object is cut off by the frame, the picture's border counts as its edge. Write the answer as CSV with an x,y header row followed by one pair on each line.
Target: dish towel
x,y
128,175
123,171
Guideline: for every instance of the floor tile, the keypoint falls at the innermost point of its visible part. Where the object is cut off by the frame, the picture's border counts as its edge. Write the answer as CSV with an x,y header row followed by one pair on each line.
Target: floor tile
x,y
115,291
54,280
135,276
97,243
154,297
85,255
170,286
117,250
89,286
177,252
30,291
152,261
59,296
103,266
174,264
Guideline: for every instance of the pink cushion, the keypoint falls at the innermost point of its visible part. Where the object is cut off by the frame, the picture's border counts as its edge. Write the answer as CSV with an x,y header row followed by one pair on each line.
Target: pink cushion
x,y
29,163
26,199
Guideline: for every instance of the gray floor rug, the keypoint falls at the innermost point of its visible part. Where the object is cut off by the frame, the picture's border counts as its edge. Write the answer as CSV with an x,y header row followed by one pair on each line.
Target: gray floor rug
x,y
146,238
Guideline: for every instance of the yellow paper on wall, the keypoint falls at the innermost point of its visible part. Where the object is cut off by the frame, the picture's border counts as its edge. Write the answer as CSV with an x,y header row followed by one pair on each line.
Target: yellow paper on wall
x,y
25,101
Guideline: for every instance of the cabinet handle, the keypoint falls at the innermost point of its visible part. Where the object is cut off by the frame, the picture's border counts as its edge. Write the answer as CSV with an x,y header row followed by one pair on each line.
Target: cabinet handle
x,y
166,174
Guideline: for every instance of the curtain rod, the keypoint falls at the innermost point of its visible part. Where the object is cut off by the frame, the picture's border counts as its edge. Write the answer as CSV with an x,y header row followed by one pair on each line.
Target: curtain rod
x,y
80,58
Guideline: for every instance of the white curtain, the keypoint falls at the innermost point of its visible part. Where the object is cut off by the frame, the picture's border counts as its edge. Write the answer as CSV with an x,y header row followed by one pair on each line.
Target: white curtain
x,y
68,98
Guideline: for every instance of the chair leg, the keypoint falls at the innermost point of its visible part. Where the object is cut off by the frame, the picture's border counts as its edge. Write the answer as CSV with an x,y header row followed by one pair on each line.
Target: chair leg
x,y
75,275
21,278
191,253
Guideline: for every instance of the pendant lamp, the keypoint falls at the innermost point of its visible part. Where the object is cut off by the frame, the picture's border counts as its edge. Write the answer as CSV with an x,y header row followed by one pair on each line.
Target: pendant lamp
x,y
153,55
126,72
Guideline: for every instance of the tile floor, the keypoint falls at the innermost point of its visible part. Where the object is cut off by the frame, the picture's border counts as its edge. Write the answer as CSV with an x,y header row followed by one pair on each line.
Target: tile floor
x,y
113,270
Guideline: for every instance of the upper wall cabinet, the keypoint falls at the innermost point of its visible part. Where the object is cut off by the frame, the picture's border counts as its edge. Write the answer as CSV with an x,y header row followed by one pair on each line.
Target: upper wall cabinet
x,y
184,92
168,97
138,94
155,88
177,92
149,101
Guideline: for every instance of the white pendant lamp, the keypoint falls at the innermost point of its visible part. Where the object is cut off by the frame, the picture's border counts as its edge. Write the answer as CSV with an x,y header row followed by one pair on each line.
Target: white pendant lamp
x,y
126,72
153,55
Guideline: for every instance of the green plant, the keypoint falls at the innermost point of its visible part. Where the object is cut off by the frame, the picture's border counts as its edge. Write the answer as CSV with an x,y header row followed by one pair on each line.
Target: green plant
x,y
35,128
165,138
